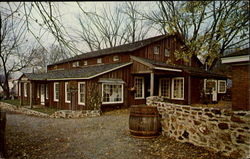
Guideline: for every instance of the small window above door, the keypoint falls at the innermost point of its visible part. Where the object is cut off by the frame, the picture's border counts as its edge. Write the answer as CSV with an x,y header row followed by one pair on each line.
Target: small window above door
x,y
166,52
99,60
75,64
156,50
116,58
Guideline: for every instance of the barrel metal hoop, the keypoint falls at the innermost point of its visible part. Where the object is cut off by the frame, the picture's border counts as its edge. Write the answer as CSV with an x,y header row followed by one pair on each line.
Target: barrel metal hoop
x,y
144,132
144,115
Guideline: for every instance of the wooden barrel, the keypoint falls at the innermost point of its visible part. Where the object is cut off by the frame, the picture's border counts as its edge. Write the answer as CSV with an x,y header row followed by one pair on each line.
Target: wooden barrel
x,y
144,121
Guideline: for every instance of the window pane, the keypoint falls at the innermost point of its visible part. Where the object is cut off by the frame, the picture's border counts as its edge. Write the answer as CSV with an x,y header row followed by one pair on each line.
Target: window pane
x,y
82,93
222,87
47,91
37,91
68,93
167,53
139,88
178,88
57,91
112,93
165,87
210,86
156,50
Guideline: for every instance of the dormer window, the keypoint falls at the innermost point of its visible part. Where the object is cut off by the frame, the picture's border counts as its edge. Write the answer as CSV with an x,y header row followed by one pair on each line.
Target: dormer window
x,y
116,58
167,52
85,63
156,50
75,64
99,60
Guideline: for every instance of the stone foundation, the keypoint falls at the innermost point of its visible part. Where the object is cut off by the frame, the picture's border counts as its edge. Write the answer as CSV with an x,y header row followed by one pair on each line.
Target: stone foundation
x,y
222,131
75,114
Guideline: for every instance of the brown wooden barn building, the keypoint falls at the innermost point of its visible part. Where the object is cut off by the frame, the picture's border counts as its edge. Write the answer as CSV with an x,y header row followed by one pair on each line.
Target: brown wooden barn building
x,y
240,62
121,76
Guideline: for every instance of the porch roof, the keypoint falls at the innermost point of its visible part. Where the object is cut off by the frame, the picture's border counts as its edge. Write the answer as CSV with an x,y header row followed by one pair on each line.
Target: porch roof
x,y
79,73
191,70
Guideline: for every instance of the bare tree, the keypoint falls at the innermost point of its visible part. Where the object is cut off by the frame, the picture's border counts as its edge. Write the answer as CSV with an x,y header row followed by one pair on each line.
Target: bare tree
x,y
44,57
14,54
112,27
207,27
137,28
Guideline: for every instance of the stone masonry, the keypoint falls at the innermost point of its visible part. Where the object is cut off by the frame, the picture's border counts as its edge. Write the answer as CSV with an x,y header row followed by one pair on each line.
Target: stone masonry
x,y
57,114
222,131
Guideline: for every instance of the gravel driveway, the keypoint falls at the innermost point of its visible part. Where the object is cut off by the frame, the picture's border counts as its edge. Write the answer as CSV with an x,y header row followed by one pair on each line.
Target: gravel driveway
x,y
104,137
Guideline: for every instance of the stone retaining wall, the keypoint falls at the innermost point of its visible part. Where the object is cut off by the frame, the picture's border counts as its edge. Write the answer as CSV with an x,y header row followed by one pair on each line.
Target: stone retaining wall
x,y
223,130
57,114
15,109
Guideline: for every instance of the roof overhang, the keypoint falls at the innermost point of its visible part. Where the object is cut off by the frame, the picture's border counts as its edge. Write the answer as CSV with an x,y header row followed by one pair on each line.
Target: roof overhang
x,y
90,77
235,59
151,66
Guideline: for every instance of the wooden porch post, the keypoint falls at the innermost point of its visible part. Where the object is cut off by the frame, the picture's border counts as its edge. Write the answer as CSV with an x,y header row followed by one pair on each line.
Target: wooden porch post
x,y
21,94
31,94
151,83
189,90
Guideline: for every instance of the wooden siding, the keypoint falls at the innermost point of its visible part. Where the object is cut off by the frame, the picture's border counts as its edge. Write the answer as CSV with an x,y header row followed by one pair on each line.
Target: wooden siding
x,y
124,74
171,43
139,68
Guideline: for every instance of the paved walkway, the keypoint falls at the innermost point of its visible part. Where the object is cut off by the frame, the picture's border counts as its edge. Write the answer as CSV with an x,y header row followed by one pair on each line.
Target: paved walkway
x,y
104,137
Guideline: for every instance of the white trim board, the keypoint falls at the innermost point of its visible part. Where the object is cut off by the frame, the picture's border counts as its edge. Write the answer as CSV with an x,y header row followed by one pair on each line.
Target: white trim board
x,y
167,69
243,58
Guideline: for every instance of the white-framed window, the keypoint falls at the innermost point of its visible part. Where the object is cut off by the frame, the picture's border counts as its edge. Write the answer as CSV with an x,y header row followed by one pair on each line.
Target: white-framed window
x,y
156,50
25,88
222,86
85,63
166,52
210,85
38,91
164,87
178,88
81,93
116,58
112,93
99,60
67,93
139,87
56,91
75,64
47,91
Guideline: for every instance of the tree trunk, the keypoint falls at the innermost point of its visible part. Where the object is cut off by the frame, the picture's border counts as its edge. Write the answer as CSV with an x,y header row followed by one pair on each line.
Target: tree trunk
x,y
6,89
2,133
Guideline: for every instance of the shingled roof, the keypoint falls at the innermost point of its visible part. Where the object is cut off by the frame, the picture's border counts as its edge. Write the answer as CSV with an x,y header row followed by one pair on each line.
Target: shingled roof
x,y
78,73
242,52
188,69
118,49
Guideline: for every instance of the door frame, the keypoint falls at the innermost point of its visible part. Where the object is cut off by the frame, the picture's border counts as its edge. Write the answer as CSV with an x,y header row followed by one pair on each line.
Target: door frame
x,y
42,94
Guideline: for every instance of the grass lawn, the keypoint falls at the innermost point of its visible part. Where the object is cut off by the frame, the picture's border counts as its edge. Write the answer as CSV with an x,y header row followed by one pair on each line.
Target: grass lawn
x,y
15,102
46,110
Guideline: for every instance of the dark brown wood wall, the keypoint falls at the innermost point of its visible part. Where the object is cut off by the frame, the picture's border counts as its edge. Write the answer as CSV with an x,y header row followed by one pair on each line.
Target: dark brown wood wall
x,y
171,43
124,74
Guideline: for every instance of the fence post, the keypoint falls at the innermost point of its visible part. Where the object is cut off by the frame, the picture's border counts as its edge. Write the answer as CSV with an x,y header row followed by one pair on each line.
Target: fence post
x,y
2,133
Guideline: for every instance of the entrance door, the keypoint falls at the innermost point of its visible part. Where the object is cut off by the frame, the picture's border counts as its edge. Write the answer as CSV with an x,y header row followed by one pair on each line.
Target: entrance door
x,y
42,94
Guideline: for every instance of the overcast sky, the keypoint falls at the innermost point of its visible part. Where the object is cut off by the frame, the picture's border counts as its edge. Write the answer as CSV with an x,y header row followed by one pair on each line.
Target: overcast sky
x,y
70,11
